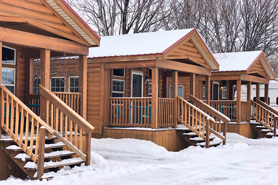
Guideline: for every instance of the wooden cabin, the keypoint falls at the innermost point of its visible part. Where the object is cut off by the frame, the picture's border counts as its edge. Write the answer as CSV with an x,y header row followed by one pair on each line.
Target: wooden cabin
x,y
140,85
39,30
236,71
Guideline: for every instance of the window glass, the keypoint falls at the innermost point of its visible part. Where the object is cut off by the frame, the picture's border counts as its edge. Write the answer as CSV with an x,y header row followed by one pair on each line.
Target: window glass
x,y
118,88
73,84
150,89
8,55
119,72
8,78
58,84
36,89
180,91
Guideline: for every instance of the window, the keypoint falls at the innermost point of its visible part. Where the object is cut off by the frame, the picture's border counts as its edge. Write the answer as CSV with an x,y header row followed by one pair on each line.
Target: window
x,y
36,88
119,72
180,91
150,89
73,84
204,90
8,55
57,84
118,88
8,78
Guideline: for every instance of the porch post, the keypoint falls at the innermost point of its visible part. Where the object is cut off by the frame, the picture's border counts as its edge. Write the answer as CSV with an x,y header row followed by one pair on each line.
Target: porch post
x,y
175,96
154,97
258,91
45,80
266,93
238,101
0,83
29,79
193,84
208,89
249,100
83,85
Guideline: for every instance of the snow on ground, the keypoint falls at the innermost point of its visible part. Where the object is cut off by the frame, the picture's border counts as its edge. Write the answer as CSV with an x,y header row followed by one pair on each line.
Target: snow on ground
x,y
128,161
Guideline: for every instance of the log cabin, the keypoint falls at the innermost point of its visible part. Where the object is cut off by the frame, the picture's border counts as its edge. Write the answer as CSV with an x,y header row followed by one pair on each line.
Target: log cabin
x,y
250,116
29,142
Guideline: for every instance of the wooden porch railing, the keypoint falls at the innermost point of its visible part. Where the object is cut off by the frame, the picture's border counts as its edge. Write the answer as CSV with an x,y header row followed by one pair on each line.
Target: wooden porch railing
x,y
130,112
194,119
165,112
26,129
71,99
228,108
263,114
70,125
219,127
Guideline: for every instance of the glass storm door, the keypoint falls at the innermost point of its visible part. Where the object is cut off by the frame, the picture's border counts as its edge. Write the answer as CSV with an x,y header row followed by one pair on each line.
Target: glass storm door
x,y
137,84
215,91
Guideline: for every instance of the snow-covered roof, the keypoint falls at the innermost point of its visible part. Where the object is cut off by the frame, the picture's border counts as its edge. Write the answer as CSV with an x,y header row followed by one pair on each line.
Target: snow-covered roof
x,y
237,61
138,43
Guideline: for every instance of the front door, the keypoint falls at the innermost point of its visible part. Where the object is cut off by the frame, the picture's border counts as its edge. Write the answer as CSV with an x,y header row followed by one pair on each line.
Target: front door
x,y
215,91
137,84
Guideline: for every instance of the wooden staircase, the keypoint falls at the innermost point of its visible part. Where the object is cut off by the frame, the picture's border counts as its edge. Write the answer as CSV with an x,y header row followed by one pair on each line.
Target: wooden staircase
x,y
203,123
39,147
264,119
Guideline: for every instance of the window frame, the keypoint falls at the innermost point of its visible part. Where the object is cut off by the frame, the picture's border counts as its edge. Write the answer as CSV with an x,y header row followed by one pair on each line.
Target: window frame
x,y
56,87
7,47
14,85
150,94
36,87
74,87
120,92
170,91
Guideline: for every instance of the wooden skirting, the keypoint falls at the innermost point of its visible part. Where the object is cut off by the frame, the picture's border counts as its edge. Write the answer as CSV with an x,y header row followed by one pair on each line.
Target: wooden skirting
x,y
243,129
169,139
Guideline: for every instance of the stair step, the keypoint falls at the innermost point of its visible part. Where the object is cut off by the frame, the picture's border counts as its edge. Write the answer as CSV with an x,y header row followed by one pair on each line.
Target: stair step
x,y
266,130
16,148
211,144
7,138
191,134
50,155
200,139
59,164
260,126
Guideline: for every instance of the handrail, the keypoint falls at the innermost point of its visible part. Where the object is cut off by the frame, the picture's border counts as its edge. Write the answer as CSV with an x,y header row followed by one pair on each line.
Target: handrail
x,y
66,109
264,116
17,120
267,106
69,124
195,119
218,116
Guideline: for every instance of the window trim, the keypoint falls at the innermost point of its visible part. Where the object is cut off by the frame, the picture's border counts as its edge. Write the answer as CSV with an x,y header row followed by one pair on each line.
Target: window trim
x,y
217,83
122,92
7,47
150,94
56,78
69,82
117,75
14,85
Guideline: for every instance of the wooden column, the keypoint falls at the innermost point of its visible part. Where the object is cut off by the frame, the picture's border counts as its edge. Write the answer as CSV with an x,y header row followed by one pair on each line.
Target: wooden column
x,y
106,97
0,62
266,93
238,101
0,83
258,91
154,97
208,89
45,80
83,84
175,96
29,79
249,100
193,84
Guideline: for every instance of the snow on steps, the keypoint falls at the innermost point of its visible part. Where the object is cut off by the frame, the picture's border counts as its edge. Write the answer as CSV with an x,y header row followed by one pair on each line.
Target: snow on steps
x,y
47,146
55,154
211,143
201,139
58,164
